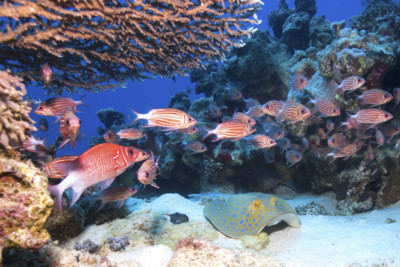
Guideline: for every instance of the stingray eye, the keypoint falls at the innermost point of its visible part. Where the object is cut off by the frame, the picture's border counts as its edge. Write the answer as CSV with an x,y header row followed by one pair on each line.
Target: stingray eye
x,y
130,152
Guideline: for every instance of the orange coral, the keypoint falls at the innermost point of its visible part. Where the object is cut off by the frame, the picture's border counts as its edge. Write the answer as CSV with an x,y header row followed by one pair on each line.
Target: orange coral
x,y
90,44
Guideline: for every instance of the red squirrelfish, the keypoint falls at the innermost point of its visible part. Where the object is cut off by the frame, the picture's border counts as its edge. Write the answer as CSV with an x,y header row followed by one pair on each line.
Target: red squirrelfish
x,y
262,141
396,95
99,164
337,140
188,131
195,147
272,107
275,132
169,118
255,111
293,112
326,107
69,127
350,84
131,134
148,172
351,123
389,130
372,116
375,97
240,116
233,130
115,193
46,73
111,136
380,139
292,157
298,82
345,152
56,168
56,106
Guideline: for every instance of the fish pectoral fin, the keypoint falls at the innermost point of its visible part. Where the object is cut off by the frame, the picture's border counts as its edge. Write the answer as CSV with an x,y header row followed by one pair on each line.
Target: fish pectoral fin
x,y
106,183
121,202
154,185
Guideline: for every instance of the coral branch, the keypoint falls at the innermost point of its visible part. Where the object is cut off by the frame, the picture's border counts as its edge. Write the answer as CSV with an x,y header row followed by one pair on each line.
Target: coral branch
x,y
106,42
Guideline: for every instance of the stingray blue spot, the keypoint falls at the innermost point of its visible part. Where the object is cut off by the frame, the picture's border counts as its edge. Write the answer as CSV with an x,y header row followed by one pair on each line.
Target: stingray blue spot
x,y
247,220
256,224
247,215
254,220
249,224
244,225
260,210
259,216
234,215
260,221
252,228
224,221
241,213
231,223
241,221
233,227
234,224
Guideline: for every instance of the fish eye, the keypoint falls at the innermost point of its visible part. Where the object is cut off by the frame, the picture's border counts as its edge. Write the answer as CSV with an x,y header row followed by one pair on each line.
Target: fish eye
x,y
303,111
386,96
40,108
130,152
144,154
80,122
359,80
267,106
386,115
190,119
147,174
333,141
271,142
67,122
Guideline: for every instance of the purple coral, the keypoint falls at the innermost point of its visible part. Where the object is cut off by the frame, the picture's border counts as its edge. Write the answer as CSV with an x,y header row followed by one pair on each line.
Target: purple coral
x,y
117,243
87,245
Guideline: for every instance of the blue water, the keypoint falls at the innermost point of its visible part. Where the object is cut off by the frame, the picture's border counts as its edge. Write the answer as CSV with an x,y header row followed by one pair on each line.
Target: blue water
x,y
142,96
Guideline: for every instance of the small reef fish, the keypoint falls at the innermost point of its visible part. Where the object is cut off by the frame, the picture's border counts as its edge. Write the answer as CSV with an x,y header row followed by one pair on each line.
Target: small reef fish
x,y
396,95
389,130
46,73
31,144
345,152
111,136
99,164
326,108
293,112
115,193
195,147
214,111
298,82
262,141
255,111
283,143
131,134
251,102
275,132
351,83
370,152
351,123
321,133
375,97
272,107
292,157
169,118
380,139
188,131
148,171
56,106
242,117
330,125
233,130
56,167
69,127
372,116
43,124
337,140
235,94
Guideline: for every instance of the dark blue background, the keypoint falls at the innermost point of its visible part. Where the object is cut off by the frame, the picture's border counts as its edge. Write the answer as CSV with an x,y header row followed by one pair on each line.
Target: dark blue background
x,y
157,92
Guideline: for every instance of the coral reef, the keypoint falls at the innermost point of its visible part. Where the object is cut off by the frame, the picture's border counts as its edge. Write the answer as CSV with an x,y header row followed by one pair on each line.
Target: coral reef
x,y
192,251
15,123
87,245
25,205
98,45
110,117
295,31
117,243
277,18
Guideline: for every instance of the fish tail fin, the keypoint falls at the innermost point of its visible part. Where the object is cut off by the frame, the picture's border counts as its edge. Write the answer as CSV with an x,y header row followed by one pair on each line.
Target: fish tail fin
x,y
57,191
137,114
102,203
209,132
79,102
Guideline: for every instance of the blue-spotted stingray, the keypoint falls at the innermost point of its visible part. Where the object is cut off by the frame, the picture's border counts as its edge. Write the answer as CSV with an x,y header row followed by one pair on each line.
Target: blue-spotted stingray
x,y
248,214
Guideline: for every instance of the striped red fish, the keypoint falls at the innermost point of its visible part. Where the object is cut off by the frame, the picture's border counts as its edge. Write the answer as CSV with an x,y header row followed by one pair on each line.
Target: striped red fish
x,y
345,152
262,141
233,130
396,95
242,117
275,132
56,106
69,127
99,164
272,107
351,83
195,147
298,82
351,123
115,193
131,134
57,168
293,112
325,107
292,157
337,140
375,97
148,172
255,111
111,136
46,73
169,118
372,116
